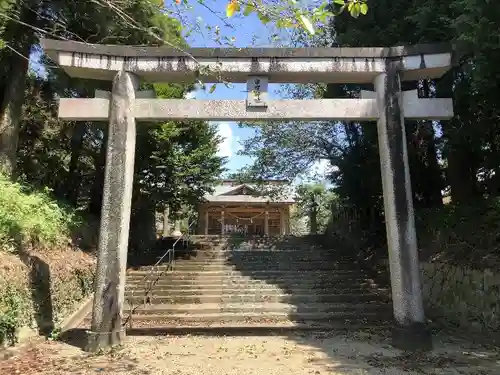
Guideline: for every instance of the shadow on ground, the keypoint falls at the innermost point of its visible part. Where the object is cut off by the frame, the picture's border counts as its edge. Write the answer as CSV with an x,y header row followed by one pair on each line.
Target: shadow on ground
x,y
77,337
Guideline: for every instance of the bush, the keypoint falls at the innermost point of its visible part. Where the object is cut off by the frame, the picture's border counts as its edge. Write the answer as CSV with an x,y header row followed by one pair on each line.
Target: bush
x,y
464,235
12,305
28,217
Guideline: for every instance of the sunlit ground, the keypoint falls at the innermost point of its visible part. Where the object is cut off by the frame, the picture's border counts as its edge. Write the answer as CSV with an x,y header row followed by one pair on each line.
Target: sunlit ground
x,y
308,353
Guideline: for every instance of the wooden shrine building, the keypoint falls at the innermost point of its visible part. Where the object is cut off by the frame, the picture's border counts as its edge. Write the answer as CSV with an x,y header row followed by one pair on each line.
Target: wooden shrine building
x,y
239,208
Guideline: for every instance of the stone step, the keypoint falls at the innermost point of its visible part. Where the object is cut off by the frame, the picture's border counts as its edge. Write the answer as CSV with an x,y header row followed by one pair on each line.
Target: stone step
x,y
141,324
258,308
305,267
343,295
284,259
266,254
241,283
245,279
263,289
256,273
250,326
240,279
248,267
279,265
188,289
261,257
268,251
157,298
255,317
183,268
258,257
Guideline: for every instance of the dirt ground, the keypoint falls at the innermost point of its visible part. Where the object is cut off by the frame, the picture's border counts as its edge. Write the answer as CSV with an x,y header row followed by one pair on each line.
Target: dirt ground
x,y
294,354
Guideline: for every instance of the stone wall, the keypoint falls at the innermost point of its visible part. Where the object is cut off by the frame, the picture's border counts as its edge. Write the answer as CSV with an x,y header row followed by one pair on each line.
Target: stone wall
x,y
462,297
39,292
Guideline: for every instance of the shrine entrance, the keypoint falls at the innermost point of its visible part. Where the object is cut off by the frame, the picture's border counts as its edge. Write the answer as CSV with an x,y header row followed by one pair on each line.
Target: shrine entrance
x,y
387,106
236,208
248,221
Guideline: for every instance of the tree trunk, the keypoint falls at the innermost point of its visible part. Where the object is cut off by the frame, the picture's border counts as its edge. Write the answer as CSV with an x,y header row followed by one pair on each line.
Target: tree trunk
x,y
142,225
314,221
20,38
99,164
74,177
461,175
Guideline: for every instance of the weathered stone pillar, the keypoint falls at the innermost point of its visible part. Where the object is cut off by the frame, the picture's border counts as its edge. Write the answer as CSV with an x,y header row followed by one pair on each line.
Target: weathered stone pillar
x,y
106,328
166,223
266,223
287,222
206,222
222,223
410,332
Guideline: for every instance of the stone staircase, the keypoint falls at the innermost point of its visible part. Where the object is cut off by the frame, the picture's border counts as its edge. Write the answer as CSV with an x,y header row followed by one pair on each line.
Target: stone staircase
x,y
273,283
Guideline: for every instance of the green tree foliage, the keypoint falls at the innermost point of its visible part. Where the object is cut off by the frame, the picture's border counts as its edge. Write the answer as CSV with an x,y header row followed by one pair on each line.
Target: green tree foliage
x,y
314,202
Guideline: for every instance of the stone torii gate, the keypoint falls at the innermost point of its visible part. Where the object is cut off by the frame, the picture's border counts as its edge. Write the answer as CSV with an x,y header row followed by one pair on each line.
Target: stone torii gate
x,y
127,66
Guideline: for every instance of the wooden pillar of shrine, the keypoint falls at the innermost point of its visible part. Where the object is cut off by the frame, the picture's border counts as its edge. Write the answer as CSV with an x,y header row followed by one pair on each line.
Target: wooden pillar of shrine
x,y
266,223
282,222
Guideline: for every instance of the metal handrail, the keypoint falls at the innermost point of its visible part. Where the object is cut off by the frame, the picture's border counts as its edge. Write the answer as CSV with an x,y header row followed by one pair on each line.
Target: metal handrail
x,y
170,267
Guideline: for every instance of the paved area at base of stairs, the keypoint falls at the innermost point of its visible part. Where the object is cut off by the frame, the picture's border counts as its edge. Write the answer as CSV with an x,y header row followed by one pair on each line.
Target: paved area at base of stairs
x,y
294,354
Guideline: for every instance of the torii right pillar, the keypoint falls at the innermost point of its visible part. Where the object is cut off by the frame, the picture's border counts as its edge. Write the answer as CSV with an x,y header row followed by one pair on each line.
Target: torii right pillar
x,y
410,331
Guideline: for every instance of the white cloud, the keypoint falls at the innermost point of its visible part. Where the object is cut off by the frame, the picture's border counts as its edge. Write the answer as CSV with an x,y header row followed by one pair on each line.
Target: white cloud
x,y
190,95
318,173
322,168
237,146
226,145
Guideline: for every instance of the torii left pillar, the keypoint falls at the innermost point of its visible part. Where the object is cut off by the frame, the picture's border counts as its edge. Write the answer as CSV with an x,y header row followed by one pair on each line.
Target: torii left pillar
x,y
107,314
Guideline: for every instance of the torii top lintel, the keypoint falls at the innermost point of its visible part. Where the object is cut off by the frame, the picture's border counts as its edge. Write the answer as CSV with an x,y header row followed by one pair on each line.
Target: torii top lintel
x,y
281,65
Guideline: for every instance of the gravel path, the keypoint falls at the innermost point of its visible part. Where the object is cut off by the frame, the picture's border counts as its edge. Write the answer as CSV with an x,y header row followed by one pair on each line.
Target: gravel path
x,y
298,354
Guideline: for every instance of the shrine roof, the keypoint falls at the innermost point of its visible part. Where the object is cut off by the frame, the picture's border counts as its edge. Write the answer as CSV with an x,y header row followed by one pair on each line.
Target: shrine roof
x,y
236,194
